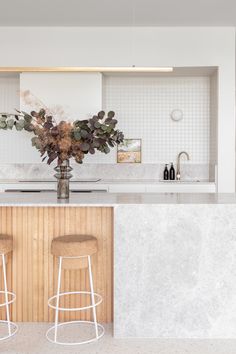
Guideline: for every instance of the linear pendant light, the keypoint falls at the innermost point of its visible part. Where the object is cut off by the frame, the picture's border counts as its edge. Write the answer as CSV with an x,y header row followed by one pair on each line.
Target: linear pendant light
x,y
118,69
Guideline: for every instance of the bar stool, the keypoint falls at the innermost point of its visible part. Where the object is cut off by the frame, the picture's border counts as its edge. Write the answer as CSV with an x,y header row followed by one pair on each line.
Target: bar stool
x,y
70,249
6,246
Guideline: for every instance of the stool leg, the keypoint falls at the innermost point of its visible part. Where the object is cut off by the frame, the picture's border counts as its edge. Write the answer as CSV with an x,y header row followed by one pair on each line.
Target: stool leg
x,y
6,294
58,298
92,296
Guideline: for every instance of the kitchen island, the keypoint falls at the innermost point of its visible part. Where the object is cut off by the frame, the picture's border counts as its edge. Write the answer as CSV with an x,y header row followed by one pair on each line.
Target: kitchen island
x,y
171,257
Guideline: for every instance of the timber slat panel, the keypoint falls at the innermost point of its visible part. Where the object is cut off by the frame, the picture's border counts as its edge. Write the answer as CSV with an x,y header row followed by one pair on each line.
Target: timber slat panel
x,y
32,270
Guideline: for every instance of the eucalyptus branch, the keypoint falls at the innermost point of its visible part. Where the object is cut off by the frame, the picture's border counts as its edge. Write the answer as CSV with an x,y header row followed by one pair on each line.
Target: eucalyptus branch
x,y
11,114
39,103
66,140
7,115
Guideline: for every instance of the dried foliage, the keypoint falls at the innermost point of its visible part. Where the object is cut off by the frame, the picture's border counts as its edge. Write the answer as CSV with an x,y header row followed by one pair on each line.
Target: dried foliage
x,y
64,140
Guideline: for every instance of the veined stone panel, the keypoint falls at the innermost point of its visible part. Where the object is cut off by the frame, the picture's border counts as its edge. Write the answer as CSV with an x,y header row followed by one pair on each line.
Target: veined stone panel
x,y
175,271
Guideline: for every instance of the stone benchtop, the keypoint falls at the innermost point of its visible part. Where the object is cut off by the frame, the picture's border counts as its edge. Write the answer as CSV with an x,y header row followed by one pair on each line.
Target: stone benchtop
x,y
99,199
104,181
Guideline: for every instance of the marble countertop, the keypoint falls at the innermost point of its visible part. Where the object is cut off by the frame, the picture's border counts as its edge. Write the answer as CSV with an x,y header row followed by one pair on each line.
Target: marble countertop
x,y
113,199
103,181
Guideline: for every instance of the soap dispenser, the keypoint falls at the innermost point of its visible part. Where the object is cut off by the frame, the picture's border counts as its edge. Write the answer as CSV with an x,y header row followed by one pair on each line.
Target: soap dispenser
x,y
172,172
166,173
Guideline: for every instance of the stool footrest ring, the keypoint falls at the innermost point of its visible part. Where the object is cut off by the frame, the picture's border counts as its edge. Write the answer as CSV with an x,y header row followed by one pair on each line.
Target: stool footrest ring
x,y
98,300
93,339
9,301
14,328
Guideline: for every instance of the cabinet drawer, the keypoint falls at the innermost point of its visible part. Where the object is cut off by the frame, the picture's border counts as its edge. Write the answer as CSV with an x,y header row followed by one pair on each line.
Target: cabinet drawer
x,y
127,188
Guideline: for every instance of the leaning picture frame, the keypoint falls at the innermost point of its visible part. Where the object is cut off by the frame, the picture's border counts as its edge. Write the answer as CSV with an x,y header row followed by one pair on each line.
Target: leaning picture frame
x,y
130,151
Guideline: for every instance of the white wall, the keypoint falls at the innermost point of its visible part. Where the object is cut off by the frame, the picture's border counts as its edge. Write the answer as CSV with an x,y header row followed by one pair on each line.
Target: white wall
x,y
143,47
67,96
11,142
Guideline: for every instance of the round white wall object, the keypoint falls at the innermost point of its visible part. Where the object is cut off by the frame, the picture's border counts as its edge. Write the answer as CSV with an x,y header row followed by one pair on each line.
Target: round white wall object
x,y
176,115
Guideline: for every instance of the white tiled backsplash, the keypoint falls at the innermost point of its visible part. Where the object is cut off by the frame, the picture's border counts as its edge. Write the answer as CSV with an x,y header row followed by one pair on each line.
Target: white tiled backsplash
x,y
143,106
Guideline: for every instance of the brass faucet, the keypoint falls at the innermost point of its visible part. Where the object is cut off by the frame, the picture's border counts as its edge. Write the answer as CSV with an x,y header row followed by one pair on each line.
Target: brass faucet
x,y
178,163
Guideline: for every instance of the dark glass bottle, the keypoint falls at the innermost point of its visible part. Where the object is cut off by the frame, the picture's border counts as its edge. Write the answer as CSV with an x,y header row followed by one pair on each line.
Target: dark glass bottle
x,y
172,172
166,173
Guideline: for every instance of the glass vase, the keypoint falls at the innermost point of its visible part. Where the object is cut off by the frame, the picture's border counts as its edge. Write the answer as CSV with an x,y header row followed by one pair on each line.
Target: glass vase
x,y
63,176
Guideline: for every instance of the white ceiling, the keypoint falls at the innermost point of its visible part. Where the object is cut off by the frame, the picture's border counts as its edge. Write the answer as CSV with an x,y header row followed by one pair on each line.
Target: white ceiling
x,y
117,12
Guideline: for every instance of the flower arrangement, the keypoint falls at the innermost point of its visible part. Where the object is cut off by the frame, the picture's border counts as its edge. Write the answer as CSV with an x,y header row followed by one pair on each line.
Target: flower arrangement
x,y
65,140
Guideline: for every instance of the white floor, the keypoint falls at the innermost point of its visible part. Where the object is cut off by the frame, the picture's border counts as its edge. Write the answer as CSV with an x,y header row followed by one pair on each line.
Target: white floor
x,y
31,340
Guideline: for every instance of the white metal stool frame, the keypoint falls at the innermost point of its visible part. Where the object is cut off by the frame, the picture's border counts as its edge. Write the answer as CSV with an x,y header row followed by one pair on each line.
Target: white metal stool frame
x,y
11,326
97,326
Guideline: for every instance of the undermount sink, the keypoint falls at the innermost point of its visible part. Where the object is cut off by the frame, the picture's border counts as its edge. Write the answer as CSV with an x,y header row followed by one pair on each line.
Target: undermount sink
x,y
181,181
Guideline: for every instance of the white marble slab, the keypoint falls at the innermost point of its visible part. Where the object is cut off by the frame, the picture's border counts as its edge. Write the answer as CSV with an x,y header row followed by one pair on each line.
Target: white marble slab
x,y
104,171
113,199
175,271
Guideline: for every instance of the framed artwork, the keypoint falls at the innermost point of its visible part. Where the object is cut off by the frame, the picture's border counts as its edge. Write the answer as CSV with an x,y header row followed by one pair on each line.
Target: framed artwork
x,y
129,151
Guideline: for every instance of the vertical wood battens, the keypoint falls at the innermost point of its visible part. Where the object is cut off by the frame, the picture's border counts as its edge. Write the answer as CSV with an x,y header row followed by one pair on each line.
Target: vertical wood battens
x,y
32,270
